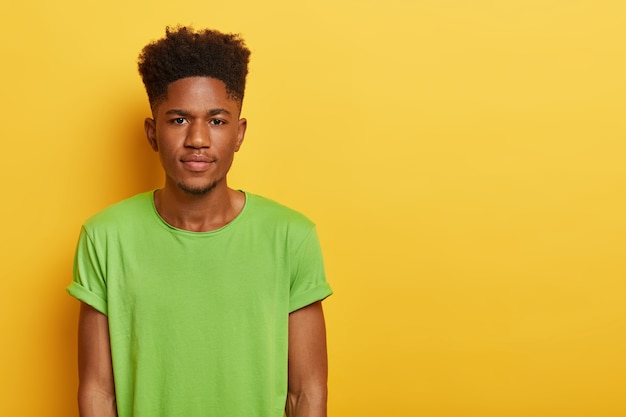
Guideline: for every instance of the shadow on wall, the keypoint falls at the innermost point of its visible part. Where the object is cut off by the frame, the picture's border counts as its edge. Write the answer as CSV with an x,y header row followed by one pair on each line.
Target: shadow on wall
x,y
120,161
125,165
146,172
135,158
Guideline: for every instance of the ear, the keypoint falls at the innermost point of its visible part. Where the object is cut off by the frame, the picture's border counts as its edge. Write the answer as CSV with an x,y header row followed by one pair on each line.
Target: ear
x,y
241,132
150,127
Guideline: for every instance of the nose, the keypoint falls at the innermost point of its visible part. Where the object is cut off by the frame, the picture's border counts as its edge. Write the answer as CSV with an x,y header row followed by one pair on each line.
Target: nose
x,y
198,135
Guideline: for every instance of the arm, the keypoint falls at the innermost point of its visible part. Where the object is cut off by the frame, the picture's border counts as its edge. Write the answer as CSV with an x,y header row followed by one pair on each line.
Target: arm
x,y
308,365
96,392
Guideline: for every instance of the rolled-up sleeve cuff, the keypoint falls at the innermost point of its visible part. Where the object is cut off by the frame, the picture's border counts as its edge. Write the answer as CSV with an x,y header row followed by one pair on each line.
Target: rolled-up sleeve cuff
x,y
83,294
309,297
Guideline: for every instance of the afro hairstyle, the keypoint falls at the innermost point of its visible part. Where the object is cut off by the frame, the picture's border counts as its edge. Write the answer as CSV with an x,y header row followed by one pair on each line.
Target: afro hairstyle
x,y
184,52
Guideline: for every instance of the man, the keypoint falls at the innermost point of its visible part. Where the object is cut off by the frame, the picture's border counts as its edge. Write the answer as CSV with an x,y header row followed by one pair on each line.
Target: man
x,y
197,299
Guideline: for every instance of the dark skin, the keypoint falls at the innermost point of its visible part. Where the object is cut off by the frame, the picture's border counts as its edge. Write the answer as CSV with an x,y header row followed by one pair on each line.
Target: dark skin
x,y
96,391
196,130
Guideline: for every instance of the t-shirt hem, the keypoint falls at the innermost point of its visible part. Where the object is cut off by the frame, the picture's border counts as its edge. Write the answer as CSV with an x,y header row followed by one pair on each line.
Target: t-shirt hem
x,y
82,294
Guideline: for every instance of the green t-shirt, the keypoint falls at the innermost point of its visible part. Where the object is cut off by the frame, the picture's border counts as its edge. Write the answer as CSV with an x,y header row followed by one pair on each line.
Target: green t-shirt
x,y
198,321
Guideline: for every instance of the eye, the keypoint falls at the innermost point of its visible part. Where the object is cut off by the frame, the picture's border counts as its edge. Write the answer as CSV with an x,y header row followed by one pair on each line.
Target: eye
x,y
179,120
216,122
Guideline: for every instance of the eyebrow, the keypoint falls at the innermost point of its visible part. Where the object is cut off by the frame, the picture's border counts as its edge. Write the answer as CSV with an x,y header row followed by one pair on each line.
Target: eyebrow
x,y
184,113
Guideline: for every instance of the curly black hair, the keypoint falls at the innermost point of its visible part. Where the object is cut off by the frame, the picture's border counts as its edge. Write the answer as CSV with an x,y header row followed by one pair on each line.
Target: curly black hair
x,y
184,52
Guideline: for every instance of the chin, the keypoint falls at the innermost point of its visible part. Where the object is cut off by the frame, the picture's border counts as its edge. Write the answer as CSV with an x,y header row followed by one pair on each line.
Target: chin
x,y
197,190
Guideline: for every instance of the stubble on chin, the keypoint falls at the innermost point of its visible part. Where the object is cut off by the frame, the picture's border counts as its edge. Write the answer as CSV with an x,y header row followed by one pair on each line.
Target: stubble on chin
x,y
196,191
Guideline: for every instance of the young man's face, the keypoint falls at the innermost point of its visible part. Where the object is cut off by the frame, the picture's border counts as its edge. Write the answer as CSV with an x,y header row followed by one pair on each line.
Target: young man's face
x,y
196,131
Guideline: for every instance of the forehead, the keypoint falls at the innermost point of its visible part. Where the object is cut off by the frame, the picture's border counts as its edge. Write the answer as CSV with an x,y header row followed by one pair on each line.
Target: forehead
x,y
198,93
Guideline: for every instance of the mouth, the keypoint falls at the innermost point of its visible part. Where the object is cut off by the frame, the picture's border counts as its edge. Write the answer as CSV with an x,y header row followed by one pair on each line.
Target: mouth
x,y
197,163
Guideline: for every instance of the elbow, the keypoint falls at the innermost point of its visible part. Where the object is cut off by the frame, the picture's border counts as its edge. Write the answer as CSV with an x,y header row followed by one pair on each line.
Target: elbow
x,y
308,401
96,402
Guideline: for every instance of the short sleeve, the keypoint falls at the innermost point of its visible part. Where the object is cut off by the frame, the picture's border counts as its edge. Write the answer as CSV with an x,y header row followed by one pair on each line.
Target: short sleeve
x,y
308,277
89,282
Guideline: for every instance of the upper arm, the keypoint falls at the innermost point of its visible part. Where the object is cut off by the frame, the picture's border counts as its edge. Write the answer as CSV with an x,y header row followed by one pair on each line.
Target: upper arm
x,y
308,364
95,369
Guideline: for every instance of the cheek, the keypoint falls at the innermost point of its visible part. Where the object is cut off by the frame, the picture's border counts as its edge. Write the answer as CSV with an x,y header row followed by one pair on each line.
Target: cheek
x,y
166,151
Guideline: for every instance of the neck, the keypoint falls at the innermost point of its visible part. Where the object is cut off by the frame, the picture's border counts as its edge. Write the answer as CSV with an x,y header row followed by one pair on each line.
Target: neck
x,y
198,213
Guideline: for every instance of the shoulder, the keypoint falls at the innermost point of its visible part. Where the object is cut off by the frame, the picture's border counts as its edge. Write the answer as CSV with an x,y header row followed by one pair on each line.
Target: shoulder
x,y
271,215
126,211
282,224
268,209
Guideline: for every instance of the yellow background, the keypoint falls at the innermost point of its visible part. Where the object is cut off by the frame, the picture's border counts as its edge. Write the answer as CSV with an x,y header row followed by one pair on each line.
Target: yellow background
x,y
464,161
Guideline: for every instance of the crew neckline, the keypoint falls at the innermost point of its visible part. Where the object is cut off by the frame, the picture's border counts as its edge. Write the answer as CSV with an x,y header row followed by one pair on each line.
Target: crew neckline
x,y
168,226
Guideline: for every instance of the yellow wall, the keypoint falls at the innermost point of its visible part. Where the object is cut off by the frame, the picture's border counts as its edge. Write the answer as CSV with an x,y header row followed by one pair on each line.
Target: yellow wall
x,y
464,161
